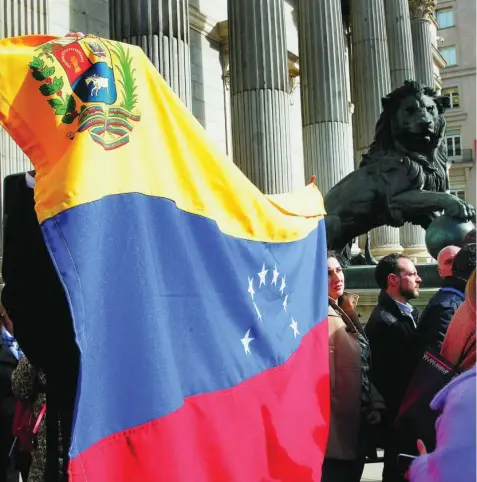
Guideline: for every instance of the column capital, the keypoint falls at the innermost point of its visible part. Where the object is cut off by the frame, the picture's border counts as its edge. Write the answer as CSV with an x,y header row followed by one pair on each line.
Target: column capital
x,y
422,8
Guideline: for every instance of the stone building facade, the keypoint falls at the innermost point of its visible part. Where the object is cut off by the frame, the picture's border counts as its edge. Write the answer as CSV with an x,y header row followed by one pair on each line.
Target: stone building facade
x,y
288,88
457,42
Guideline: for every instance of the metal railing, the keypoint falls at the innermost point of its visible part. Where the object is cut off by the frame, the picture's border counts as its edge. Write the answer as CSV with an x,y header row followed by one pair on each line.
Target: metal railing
x,y
466,156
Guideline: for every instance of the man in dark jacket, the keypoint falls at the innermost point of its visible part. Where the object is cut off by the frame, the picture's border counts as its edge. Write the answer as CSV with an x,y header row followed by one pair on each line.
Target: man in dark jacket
x,y
391,331
37,305
439,311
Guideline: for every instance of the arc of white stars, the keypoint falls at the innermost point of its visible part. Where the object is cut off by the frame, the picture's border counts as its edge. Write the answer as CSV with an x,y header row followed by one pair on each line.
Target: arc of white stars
x,y
250,287
285,302
246,340
294,327
259,315
283,285
276,274
263,276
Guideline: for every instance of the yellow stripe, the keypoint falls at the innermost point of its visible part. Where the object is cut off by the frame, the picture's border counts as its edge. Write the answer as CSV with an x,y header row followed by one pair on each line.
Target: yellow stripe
x,y
168,155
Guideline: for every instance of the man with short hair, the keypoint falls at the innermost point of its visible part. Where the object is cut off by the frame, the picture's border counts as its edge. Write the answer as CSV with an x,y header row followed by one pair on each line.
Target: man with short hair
x,y
439,311
391,330
445,259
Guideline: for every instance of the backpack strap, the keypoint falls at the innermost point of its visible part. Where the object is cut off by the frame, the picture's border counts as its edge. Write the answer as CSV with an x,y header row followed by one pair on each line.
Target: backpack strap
x,y
39,419
468,347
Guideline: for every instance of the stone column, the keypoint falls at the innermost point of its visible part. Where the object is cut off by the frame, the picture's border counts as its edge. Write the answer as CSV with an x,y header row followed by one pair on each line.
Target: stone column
x,y
259,93
398,28
161,29
20,17
421,12
327,132
401,63
371,82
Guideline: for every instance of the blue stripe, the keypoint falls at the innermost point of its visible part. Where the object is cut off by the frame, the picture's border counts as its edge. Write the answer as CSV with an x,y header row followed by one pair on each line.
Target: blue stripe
x,y
160,304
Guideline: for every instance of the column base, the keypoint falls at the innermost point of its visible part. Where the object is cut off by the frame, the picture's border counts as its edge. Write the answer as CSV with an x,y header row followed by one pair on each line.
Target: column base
x,y
413,241
385,240
418,254
382,251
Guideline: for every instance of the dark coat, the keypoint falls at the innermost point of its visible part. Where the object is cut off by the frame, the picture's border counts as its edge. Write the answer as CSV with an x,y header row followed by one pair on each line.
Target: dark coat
x,y
8,363
436,317
37,305
392,338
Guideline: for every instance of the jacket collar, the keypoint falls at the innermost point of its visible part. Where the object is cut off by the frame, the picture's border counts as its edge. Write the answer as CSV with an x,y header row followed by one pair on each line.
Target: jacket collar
x,y
390,305
456,283
346,309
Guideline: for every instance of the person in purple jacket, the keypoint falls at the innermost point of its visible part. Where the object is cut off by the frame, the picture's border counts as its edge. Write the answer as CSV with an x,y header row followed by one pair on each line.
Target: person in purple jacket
x,y
454,458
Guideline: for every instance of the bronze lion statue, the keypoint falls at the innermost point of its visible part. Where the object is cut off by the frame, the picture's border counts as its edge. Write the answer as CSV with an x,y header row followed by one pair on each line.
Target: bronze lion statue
x,y
404,175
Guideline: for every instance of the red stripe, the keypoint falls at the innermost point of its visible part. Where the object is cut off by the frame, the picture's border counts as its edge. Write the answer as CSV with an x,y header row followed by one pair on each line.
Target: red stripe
x,y
273,427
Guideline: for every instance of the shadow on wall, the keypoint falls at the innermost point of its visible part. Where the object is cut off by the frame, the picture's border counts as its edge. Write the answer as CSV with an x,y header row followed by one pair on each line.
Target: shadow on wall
x,y
196,69
85,16
209,93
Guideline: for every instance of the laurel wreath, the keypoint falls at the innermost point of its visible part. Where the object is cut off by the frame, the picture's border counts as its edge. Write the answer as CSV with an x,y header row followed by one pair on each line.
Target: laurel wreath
x,y
64,106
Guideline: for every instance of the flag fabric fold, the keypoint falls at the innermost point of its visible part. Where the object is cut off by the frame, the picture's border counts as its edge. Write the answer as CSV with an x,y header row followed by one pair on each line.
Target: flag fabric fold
x,y
167,253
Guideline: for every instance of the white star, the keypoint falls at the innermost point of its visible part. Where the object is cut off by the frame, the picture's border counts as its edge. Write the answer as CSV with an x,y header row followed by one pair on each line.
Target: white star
x,y
285,303
246,340
284,284
263,275
259,315
294,327
250,287
276,274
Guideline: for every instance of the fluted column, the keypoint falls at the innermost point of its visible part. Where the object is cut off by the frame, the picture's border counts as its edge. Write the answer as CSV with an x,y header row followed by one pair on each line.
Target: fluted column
x,y
398,28
19,17
413,240
259,93
161,29
413,237
327,132
371,82
401,63
421,25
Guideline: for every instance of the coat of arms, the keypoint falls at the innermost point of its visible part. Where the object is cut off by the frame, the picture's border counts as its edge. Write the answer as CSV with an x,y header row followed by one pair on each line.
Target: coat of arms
x,y
93,68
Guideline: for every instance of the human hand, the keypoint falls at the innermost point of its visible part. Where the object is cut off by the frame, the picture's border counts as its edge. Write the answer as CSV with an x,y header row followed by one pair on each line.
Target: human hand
x,y
374,417
5,320
75,34
421,448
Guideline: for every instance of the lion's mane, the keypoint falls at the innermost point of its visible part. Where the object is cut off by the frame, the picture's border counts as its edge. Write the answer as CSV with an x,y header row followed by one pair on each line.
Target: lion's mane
x,y
433,173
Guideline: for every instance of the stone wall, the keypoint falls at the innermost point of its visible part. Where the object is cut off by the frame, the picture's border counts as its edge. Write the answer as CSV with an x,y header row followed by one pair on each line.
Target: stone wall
x,y
208,88
87,16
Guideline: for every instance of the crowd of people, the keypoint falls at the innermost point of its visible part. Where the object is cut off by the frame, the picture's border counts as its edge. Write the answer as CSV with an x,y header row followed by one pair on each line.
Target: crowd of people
x,y
371,369
371,365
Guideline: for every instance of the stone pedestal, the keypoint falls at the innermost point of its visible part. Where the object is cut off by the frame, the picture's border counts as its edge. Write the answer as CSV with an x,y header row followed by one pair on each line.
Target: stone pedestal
x,y
161,29
371,82
259,93
327,132
421,12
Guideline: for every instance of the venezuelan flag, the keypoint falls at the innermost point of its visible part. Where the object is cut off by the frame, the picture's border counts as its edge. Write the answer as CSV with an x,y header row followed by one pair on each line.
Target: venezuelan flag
x,y
216,293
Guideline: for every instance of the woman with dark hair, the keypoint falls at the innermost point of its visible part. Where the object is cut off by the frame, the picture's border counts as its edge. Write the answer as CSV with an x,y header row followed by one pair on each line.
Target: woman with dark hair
x,y
355,404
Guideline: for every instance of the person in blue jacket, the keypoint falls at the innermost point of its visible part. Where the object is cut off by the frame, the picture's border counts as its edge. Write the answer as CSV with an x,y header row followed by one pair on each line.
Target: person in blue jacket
x,y
438,313
454,458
